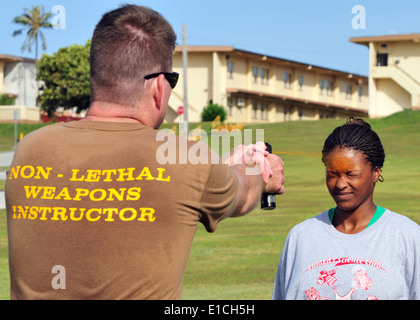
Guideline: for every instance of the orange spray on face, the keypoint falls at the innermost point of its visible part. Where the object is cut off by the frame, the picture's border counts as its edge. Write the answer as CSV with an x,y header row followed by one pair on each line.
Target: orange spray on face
x,y
350,180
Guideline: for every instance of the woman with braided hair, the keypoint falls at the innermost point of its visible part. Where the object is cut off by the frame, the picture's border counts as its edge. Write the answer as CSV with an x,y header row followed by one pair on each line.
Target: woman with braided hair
x,y
356,250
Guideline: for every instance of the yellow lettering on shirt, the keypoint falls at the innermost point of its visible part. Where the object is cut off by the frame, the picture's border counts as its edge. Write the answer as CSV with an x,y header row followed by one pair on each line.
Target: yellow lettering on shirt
x,y
126,174
160,176
147,212
59,212
74,176
93,175
79,187
79,214
64,193
146,174
28,172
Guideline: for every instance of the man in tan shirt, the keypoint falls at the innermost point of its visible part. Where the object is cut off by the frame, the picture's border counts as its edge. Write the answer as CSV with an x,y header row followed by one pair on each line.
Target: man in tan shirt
x,y
90,199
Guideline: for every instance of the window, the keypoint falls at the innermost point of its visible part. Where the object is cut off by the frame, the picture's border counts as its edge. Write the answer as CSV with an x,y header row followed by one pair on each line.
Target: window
x,y
287,80
321,86
255,73
360,91
382,59
331,88
230,69
264,75
300,81
349,91
264,111
255,108
230,104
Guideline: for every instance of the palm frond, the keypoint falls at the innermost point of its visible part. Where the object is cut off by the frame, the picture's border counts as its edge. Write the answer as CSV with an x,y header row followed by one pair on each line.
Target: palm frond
x,y
33,19
44,17
27,44
43,41
23,19
17,32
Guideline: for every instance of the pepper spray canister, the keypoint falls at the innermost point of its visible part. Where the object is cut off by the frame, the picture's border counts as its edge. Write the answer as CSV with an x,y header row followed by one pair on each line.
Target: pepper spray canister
x,y
268,200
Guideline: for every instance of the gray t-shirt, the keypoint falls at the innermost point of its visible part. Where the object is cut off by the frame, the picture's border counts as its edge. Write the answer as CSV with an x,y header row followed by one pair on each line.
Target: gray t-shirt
x,y
382,262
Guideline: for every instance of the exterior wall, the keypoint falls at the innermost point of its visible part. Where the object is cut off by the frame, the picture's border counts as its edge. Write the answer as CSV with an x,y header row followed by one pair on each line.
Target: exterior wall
x,y
200,89
254,88
391,98
19,79
239,77
394,76
2,86
7,113
397,83
406,55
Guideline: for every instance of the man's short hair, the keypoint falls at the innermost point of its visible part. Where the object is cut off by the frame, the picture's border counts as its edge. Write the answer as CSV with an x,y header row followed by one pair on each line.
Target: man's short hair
x,y
128,43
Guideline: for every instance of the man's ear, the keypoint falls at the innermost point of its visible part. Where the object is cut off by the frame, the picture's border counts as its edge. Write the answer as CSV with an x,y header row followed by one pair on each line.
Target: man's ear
x,y
158,89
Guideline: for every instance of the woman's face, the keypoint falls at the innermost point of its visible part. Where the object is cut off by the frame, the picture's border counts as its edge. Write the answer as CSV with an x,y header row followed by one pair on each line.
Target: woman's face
x,y
350,178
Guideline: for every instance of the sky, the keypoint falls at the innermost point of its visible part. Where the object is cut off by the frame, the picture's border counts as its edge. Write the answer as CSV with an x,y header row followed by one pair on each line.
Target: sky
x,y
316,32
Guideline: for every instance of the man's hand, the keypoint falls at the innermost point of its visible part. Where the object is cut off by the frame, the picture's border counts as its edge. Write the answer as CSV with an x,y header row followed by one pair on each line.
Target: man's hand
x,y
265,174
276,182
271,167
253,155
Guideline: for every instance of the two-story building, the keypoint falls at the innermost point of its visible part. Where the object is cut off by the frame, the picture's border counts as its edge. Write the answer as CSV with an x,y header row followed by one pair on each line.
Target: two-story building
x,y
17,77
394,73
259,88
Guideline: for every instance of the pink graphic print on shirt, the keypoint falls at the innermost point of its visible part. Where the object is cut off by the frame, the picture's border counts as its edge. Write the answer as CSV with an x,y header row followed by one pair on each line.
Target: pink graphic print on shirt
x,y
361,279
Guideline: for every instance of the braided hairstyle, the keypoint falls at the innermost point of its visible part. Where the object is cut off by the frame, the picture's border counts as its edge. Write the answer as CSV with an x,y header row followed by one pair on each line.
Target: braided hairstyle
x,y
358,135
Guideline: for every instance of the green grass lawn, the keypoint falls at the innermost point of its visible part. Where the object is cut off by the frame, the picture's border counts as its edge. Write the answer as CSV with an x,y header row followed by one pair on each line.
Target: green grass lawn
x,y
7,133
4,261
240,259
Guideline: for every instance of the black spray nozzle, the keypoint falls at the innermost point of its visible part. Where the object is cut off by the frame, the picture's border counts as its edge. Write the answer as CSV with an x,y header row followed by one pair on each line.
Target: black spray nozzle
x,y
268,200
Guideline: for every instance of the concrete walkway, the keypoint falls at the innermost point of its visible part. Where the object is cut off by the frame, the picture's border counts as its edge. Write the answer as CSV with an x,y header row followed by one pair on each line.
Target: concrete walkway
x,y
5,161
6,158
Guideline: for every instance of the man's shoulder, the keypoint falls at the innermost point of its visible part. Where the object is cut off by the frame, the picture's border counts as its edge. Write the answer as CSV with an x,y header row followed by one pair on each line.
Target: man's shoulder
x,y
49,130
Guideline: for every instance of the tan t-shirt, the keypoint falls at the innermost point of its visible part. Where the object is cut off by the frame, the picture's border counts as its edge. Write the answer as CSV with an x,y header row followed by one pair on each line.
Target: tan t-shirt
x,y
92,214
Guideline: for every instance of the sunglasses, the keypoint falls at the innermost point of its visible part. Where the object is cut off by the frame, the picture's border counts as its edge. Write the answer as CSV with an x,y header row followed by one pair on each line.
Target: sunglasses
x,y
171,77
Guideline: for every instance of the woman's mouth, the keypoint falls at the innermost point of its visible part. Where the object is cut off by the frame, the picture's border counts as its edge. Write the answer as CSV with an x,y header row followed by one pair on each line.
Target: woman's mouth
x,y
342,195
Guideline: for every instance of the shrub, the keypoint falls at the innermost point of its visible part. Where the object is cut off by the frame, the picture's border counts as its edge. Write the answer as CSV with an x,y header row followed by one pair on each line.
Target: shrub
x,y
212,111
7,99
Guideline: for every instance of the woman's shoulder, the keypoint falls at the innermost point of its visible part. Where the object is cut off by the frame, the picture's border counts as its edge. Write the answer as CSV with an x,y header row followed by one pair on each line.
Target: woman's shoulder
x,y
403,223
310,224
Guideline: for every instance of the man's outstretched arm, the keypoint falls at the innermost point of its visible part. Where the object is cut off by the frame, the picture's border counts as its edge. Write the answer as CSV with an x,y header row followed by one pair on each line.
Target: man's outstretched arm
x,y
270,178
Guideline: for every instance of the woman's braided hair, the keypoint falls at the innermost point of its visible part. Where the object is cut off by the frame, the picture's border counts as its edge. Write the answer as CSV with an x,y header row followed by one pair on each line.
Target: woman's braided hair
x,y
358,135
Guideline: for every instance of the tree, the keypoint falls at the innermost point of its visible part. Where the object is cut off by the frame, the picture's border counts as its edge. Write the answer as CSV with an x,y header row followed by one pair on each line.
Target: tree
x,y
212,111
33,19
65,77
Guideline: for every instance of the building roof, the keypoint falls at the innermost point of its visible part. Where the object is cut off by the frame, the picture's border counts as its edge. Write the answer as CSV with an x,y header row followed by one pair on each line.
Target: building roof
x,y
414,37
258,56
206,49
11,58
305,101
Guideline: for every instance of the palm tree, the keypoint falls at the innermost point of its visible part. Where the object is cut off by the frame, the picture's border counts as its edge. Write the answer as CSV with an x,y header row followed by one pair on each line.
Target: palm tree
x,y
33,20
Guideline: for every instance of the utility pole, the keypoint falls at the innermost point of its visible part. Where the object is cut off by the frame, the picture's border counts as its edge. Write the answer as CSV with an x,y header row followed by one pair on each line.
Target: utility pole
x,y
185,66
